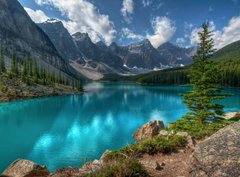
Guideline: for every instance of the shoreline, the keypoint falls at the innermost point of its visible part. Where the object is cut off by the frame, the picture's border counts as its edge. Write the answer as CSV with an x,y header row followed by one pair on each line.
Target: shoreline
x,y
41,96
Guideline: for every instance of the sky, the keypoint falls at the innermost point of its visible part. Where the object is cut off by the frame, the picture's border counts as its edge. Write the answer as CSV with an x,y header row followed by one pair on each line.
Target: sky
x,y
128,21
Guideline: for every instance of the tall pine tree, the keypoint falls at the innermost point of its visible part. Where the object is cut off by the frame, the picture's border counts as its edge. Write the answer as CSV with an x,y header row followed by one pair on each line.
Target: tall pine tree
x,y
201,100
2,65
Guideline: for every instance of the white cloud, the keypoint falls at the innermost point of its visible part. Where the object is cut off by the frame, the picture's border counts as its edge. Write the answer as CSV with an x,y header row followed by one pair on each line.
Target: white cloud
x,y
37,16
227,35
164,29
127,10
84,17
158,6
188,26
180,41
130,34
146,3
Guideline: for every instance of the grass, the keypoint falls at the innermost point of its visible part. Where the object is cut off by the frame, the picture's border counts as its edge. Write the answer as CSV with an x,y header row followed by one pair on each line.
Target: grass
x,y
201,131
156,145
122,168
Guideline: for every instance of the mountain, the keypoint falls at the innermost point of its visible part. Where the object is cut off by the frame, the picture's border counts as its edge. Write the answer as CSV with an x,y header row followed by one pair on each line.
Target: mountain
x,y
231,51
176,56
97,53
227,59
19,34
143,55
100,59
61,39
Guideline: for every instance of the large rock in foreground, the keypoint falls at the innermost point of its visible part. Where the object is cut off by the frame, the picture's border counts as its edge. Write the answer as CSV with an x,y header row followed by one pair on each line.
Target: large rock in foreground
x,y
219,155
25,168
148,130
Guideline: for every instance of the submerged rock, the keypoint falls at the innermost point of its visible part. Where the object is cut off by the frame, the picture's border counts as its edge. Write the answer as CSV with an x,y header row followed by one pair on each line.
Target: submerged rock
x,y
148,130
25,168
218,155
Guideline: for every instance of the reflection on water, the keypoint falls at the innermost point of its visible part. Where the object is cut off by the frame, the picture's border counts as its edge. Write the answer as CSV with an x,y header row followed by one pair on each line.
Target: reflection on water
x,y
70,130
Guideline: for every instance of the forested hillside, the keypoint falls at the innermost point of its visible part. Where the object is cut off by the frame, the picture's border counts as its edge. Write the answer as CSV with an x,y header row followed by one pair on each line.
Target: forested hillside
x,y
227,59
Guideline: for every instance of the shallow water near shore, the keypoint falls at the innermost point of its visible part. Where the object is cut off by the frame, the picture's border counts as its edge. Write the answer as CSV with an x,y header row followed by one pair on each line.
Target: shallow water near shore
x,y
73,129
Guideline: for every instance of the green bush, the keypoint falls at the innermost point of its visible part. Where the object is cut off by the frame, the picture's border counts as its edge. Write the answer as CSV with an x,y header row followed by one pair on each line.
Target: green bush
x,y
201,131
122,168
156,145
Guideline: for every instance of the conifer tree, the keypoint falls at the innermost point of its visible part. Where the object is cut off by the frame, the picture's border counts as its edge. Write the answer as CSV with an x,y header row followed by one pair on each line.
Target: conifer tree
x,y
2,65
35,72
203,79
24,71
13,66
79,86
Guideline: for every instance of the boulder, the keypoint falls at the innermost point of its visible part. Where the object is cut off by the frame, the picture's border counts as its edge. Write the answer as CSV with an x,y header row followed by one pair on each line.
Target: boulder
x,y
103,157
91,167
149,130
163,133
191,143
218,155
67,172
230,115
25,168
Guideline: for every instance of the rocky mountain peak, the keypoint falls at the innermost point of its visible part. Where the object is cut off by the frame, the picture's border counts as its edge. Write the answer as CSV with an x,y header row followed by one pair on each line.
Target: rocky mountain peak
x,y
52,20
81,37
61,39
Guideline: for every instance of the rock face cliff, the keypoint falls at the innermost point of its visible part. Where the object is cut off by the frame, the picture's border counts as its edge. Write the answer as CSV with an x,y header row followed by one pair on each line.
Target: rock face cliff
x,y
219,155
176,56
19,34
61,39
97,53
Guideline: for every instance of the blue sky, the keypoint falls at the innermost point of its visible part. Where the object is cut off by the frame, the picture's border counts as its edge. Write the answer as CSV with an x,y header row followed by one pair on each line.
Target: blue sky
x,y
127,21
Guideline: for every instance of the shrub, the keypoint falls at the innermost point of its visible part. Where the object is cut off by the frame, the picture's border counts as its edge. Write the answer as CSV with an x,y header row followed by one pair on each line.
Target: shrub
x,y
156,145
122,168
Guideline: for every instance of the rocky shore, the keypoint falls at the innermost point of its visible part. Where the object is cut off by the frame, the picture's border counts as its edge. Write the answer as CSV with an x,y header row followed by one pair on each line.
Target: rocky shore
x,y
216,156
15,89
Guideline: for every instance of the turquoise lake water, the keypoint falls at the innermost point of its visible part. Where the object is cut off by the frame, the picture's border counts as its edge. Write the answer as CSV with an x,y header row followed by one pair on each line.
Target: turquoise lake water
x,y
70,130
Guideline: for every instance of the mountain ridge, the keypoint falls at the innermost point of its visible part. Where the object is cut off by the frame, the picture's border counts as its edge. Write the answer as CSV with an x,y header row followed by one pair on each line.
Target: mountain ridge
x,y
136,58
19,34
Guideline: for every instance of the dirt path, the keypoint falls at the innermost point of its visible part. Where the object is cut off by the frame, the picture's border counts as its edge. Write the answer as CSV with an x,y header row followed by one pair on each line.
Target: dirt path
x,y
174,165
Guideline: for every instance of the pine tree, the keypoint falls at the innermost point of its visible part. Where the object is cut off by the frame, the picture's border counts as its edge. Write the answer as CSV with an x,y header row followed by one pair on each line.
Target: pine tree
x,y
79,86
13,66
24,71
203,79
2,65
35,72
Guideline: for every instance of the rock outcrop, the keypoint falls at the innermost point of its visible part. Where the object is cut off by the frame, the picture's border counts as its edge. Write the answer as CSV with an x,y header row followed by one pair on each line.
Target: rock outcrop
x,y
148,130
19,34
25,168
218,155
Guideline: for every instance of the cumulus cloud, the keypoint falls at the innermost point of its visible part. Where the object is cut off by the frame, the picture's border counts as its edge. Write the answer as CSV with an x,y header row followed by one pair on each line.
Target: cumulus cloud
x,y
37,16
127,10
180,41
227,35
130,34
84,17
164,29
146,3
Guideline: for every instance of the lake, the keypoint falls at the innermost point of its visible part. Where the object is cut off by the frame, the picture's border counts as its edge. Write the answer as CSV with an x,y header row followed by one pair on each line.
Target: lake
x,y
71,130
